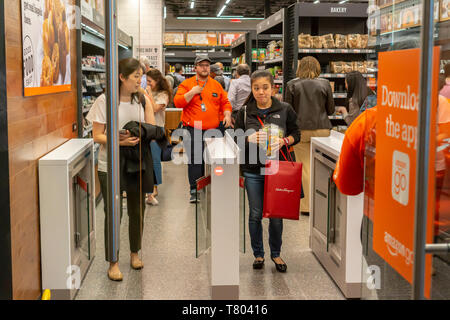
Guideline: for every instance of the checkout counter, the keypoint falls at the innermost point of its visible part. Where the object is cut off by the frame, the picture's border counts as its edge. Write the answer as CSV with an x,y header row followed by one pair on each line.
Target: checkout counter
x,y
335,219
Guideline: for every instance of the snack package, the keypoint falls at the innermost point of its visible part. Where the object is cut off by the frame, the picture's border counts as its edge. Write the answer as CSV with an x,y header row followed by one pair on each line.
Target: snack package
x,y
316,42
364,40
337,67
347,67
359,66
304,40
332,86
340,41
354,41
328,41
370,66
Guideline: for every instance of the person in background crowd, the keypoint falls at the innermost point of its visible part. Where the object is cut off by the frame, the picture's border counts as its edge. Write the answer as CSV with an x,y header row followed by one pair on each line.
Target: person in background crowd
x,y
263,108
217,74
225,78
202,100
145,62
162,95
240,88
169,76
312,99
357,93
179,70
131,108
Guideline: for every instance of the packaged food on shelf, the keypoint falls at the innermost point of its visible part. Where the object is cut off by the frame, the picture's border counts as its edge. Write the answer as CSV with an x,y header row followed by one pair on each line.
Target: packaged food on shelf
x,y
304,40
410,16
262,54
341,41
332,85
328,41
445,10
386,22
347,66
354,41
371,66
359,66
364,41
316,42
254,54
337,66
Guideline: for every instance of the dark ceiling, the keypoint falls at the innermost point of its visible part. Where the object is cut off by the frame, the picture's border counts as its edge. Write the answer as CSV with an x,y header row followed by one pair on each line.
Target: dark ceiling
x,y
246,8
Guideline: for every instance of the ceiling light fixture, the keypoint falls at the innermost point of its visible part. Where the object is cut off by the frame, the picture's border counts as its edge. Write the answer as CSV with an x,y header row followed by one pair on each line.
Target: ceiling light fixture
x,y
343,1
192,4
317,1
165,12
228,1
215,18
221,10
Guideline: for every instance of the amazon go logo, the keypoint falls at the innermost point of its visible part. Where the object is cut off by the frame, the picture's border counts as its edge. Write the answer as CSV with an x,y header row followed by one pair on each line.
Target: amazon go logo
x,y
400,177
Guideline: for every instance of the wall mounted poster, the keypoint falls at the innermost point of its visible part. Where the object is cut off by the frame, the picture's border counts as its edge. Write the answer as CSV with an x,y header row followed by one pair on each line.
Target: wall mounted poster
x,y
174,39
201,39
46,47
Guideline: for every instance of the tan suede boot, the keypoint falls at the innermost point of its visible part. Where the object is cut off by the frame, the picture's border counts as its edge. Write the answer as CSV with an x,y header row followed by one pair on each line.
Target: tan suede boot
x,y
114,273
135,262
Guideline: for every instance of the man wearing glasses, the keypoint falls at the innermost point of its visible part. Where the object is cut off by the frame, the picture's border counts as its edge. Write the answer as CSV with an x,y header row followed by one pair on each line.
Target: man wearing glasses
x,y
203,100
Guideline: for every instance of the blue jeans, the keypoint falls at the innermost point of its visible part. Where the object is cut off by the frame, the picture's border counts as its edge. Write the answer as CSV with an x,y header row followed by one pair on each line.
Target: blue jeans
x,y
254,184
157,168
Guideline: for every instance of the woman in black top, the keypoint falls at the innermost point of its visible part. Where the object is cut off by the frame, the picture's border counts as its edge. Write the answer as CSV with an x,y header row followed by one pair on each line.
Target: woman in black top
x,y
262,110
312,99
357,92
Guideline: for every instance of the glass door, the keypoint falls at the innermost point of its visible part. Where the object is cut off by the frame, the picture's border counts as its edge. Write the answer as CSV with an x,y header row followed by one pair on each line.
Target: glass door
x,y
399,181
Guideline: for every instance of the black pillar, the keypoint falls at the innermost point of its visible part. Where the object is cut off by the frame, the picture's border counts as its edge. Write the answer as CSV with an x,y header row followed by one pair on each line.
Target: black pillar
x,y
267,12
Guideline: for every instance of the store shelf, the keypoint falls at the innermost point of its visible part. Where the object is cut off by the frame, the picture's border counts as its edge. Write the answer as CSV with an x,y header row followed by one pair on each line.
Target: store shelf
x,y
346,51
342,75
278,81
86,131
88,69
274,61
337,95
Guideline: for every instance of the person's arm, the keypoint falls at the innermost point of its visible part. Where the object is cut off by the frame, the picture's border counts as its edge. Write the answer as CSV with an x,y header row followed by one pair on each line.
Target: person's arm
x,y
226,108
98,133
330,107
149,113
292,136
232,94
161,102
184,95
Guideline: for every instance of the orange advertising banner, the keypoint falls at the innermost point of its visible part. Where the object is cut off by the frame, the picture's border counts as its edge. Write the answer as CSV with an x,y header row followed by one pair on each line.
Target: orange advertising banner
x,y
395,165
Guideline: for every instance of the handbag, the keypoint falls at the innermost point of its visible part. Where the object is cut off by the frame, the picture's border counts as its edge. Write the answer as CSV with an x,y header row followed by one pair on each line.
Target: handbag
x,y
282,190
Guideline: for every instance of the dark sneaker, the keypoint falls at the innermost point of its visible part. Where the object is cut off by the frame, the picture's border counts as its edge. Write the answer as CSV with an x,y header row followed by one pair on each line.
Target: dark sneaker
x,y
193,198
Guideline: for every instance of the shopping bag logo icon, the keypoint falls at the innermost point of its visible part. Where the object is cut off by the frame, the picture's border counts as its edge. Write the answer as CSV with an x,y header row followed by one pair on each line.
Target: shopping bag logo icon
x,y
400,177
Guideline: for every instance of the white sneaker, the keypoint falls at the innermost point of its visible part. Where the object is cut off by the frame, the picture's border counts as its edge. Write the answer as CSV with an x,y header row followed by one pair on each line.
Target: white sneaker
x,y
152,201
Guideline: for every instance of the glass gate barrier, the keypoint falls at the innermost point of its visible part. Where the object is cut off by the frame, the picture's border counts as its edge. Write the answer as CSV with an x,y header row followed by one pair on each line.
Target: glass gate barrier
x,y
399,171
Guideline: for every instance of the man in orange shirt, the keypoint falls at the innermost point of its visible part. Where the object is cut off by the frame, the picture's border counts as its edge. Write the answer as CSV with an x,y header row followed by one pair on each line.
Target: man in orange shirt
x,y
203,100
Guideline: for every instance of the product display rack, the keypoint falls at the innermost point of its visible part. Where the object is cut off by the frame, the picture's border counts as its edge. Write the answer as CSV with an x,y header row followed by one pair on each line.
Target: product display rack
x,y
327,18
92,79
270,29
245,45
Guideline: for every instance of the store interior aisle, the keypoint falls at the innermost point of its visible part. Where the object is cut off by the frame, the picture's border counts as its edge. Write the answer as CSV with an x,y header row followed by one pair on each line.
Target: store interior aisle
x,y
172,272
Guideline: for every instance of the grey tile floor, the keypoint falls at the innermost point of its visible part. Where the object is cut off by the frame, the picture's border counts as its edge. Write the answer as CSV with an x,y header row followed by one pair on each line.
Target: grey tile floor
x,y
173,272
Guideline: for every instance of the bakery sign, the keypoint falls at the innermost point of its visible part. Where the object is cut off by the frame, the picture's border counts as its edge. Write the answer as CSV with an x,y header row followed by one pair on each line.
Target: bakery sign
x,y
338,10
46,46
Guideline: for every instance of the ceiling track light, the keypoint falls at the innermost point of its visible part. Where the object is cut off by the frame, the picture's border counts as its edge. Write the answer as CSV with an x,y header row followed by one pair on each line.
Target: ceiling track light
x,y
317,1
192,4
221,10
343,1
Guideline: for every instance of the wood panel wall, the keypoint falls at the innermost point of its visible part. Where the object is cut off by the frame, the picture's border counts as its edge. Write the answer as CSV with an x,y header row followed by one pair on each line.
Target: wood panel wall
x,y
36,125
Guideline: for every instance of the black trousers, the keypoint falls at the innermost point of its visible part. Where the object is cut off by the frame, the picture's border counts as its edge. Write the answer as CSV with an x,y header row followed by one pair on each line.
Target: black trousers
x,y
194,147
135,202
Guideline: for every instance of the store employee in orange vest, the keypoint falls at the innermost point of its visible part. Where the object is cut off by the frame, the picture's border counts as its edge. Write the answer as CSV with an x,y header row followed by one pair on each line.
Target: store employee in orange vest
x,y
202,100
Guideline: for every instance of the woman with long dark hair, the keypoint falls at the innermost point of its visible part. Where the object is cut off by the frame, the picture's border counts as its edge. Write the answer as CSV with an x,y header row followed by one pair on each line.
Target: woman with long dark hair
x,y
161,92
357,93
131,108
261,110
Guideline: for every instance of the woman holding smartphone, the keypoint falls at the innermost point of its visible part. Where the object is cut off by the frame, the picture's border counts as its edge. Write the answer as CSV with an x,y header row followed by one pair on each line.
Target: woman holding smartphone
x,y
131,108
261,110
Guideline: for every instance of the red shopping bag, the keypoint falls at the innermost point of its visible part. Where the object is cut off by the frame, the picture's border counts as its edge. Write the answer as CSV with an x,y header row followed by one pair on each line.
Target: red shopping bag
x,y
282,190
